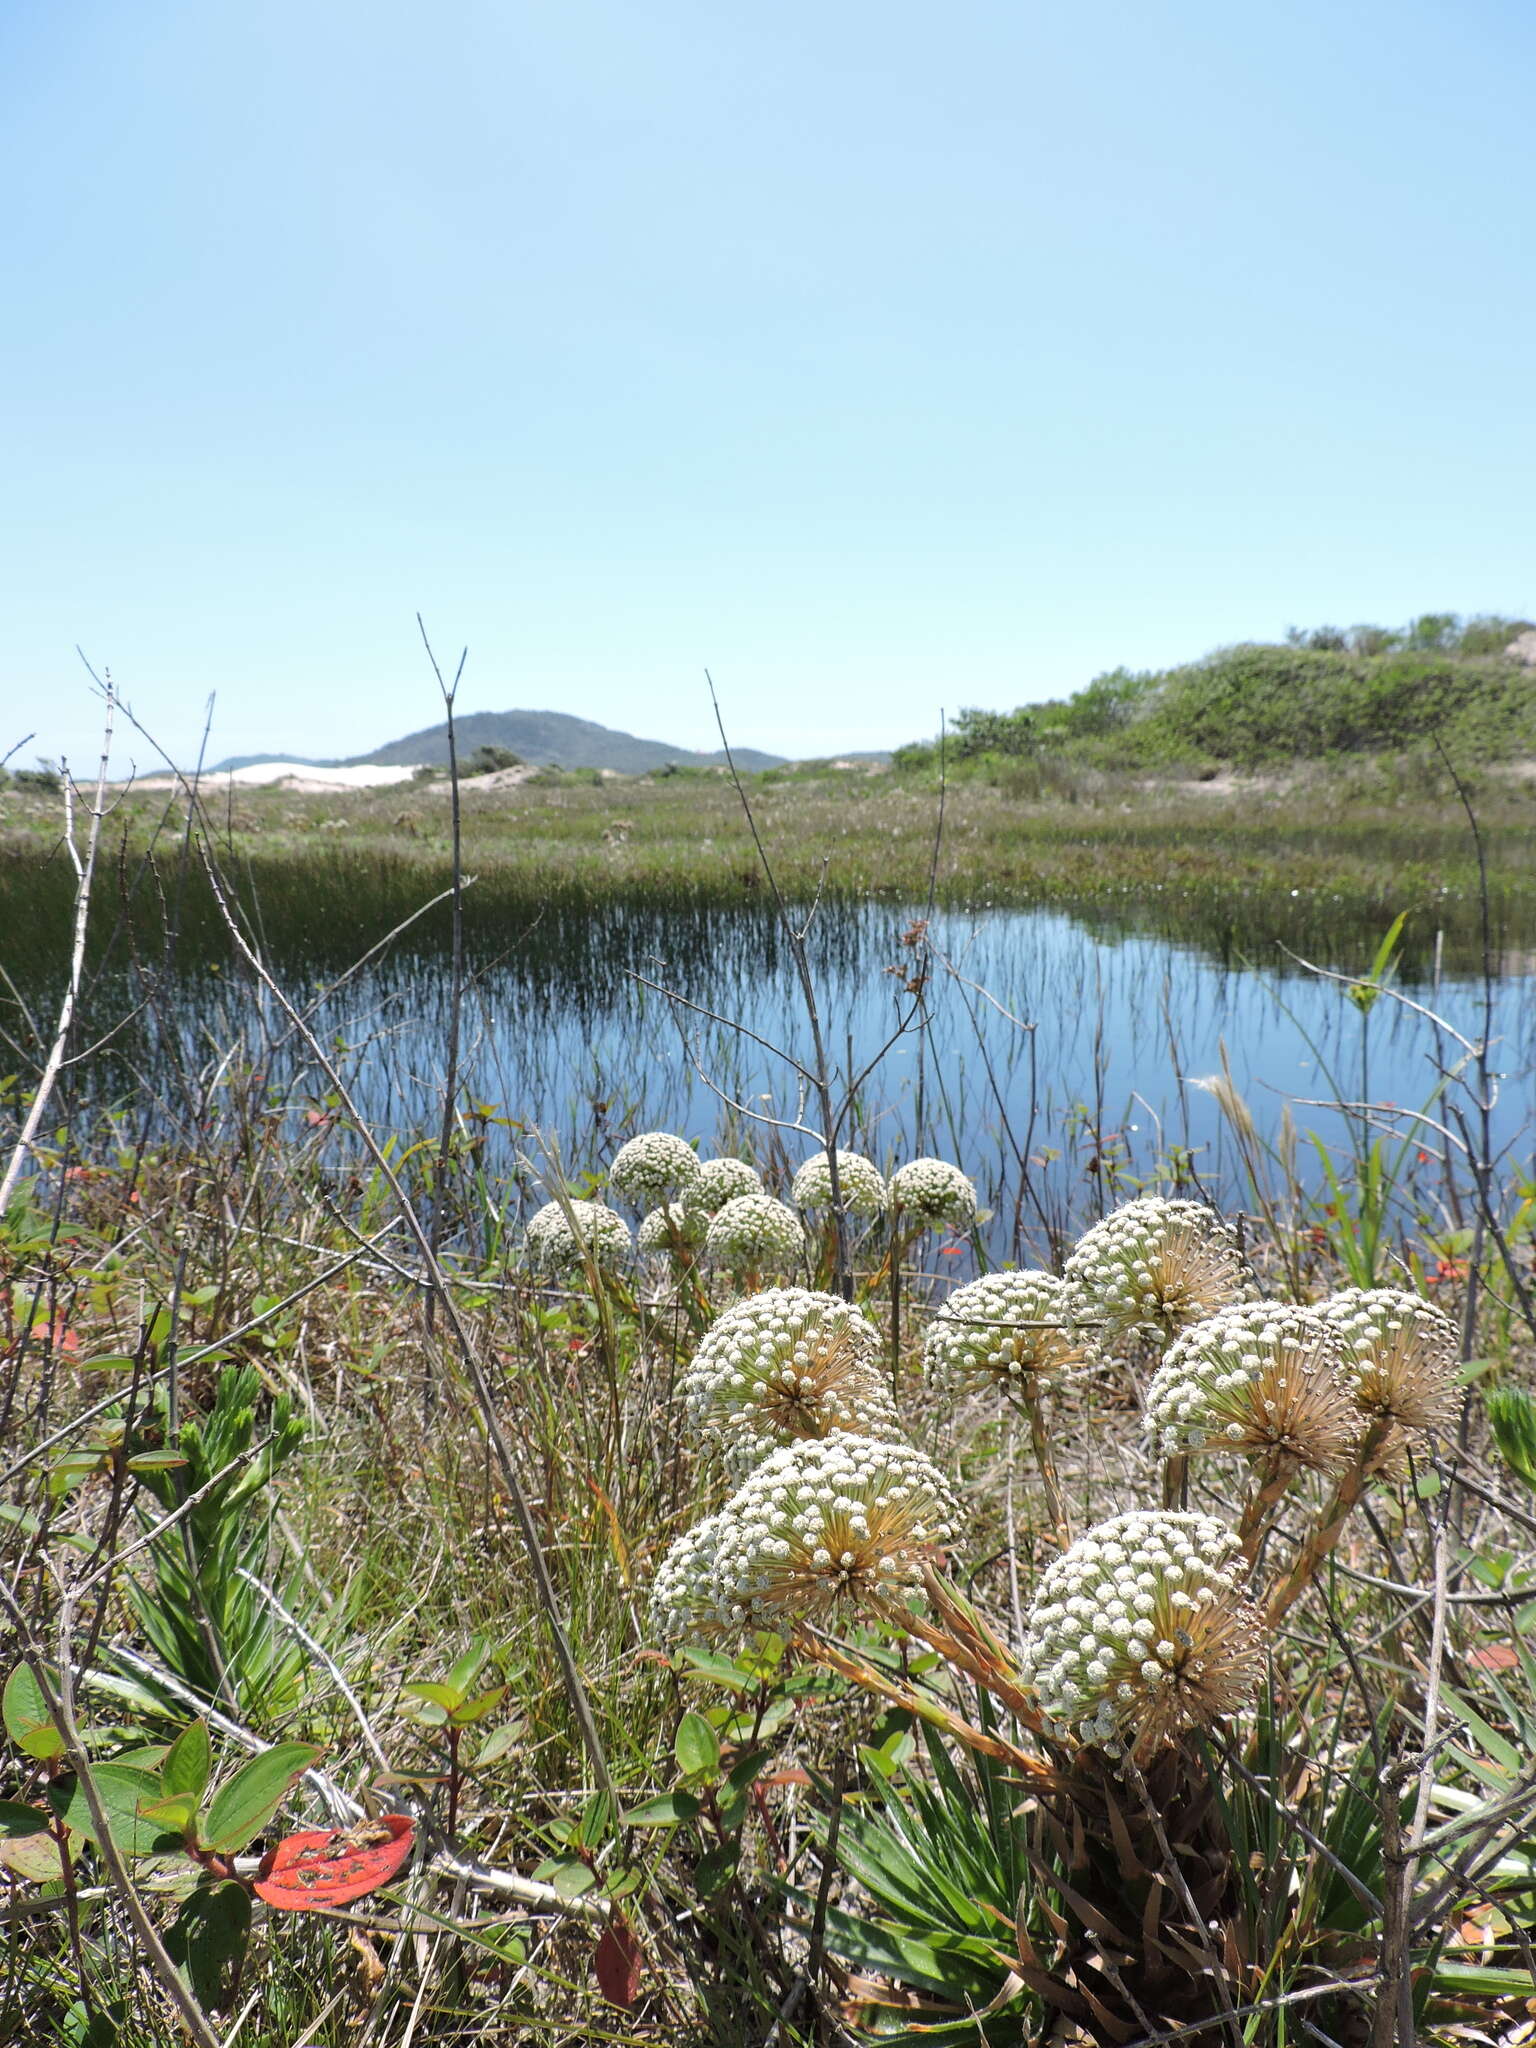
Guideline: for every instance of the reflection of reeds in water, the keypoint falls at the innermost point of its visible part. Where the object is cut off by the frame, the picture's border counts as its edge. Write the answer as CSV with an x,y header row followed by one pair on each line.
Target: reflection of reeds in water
x,y
1054,1121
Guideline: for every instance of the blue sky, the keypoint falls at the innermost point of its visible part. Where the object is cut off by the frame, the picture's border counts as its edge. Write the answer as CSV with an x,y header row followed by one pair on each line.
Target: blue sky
x,y
880,358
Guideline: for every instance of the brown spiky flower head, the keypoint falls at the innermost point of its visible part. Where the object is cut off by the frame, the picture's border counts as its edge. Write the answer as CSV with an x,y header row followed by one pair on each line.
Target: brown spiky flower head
x,y
1404,1357
1019,1330
829,1532
785,1366
1265,1380
1140,1633
1155,1265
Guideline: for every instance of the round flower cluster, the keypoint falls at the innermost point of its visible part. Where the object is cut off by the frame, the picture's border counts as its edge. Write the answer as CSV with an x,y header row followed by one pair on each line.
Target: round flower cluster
x,y
672,1226
821,1531
860,1182
751,1232
785,1365
550,1243
1140,1632
653,1166
1155,1266
1263,1379
934,1191
1010,1327
720,1181
1404,1353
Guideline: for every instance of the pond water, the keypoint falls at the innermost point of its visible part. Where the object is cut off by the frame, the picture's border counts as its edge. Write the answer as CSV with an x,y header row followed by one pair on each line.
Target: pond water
x,y
1059,1064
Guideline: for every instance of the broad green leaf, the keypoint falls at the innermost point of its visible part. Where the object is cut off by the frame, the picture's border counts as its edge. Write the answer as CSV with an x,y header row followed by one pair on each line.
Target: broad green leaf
x,y
469,1666
35,1859
17,1819
27,1720
695,1746
241,1807
441,1698
125,1793
207,1940
747,1768
664,1812
569,1876
498,1743
176,1813
188,1762
477,1709
1512,1415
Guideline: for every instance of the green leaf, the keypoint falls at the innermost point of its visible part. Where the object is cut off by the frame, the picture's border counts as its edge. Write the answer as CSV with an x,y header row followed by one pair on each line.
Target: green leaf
x,y
175,1814
124,1793
695,1746
1512,1415
188,1762
17,1820
35,1859
442,1699
241,1808
747,1768
27,1720
716,1869
498,1743
469,1666
477,1709
569,1876
207,1939
664,1812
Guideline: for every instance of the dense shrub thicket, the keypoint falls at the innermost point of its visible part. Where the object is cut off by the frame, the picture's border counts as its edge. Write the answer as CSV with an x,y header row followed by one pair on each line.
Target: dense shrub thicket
x,y
1322,693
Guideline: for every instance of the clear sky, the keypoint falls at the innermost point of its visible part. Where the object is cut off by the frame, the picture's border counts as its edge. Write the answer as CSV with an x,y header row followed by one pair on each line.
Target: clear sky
x,y
878,357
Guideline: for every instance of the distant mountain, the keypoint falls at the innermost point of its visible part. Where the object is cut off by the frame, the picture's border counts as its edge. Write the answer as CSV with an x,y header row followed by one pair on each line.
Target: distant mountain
x,y
551,739
260,761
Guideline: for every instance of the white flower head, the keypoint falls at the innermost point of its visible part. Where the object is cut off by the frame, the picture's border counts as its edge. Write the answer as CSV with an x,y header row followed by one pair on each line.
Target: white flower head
x,y
784,1365
831,1530
1265,1380
653,1167
1140,1632
934,1192
1018,1329
720,1181
672,1228
752,1233
860,1182
685,1595
550,1244
1404,1357
1154,1266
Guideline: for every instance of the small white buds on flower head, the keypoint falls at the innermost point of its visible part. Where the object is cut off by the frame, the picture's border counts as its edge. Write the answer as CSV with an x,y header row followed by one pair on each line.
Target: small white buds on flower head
x,y
1140,1632
653,1166
1404,1356
550,1244
720,1181
672,1229
860,1182
830,1531
933,1192
1264,1380
1019,1329
1154,1266
755,1233
784,1365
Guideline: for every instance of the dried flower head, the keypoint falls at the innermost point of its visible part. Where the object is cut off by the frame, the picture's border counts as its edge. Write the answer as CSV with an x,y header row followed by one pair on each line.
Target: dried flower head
x,y
934,1192
1264,1380
825,1531
720,1181
784,1366
1014,1328
1404,1355
860,1182
1154,1266
671,1227
653,1166
753,1233
549,1243
1140,1632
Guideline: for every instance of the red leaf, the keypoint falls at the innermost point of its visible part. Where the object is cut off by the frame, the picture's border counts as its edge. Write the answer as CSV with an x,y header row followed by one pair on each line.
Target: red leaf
x,y
618,1963
330,1866
1494,1657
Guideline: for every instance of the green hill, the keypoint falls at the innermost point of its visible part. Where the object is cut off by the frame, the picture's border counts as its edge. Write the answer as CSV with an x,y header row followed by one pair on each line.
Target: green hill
x,y
1319,695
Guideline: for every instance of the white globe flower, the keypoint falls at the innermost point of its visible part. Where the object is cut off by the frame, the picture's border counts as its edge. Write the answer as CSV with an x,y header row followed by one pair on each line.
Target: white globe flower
x,y
1018,1329
860,1182
1154,1266
550,1244
753,1233
934,1193
651,1167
